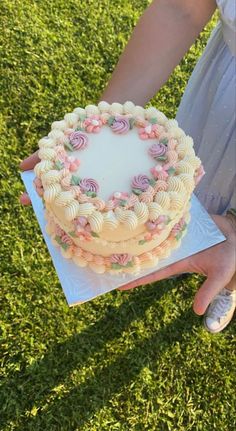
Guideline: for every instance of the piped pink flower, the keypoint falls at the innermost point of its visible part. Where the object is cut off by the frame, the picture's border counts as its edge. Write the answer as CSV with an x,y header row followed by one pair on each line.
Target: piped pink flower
x,y
83,229
61,154
155,226
150,131
119,197
84,236
159,172
71,163
93,124
66,239
121,259
38,186
59,231
81,222
148,236
178,227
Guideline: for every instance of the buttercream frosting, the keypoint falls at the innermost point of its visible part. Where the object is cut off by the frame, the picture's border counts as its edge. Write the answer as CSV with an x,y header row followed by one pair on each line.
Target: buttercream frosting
x,y
116,180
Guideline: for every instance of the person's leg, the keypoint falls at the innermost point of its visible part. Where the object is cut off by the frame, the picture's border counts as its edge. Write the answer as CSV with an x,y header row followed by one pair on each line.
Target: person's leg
x,y
221,310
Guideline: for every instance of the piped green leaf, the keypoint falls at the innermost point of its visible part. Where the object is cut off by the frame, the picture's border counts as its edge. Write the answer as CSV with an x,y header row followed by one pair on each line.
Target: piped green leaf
x,y
68,146
73,234
58,165
80,129
137,191
94,234
171,171
152,182
116,266
131,122
58,239
64,245
91,194
178,236
164,141
153,120
161,158
75,180
111,121
168,220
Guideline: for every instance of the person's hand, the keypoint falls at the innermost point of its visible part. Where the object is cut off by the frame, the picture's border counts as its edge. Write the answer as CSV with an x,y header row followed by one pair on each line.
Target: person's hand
x,y
217,263
27,165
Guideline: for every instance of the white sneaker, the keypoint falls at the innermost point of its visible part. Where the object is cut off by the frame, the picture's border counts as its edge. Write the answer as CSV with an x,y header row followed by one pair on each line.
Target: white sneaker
x,y
220,311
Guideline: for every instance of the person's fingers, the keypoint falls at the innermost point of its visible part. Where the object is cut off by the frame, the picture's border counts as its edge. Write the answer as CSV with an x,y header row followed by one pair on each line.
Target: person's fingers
x,y
232,283
183,265
24,199
30,162
209,289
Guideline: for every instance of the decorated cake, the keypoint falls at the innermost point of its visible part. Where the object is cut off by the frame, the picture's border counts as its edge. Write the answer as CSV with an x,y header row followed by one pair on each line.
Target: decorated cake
x,y
116,181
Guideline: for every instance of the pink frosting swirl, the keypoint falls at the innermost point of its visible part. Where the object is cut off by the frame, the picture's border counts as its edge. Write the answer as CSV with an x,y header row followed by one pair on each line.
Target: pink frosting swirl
x,y
120,125
157,150
38,186
140,182
178,227
158,224
81,221
66,239
78,140
121,259
59,231
89,185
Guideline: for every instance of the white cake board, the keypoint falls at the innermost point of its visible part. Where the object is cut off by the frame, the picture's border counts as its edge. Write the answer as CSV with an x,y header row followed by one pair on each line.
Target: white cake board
x,y
82,284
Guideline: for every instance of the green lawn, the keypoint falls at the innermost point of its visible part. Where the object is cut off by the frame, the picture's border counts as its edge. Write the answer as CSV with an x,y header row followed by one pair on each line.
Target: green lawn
x,y
139,360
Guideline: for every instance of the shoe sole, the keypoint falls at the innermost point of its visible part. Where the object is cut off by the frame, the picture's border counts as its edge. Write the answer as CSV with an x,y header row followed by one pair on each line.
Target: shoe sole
x,y
214,331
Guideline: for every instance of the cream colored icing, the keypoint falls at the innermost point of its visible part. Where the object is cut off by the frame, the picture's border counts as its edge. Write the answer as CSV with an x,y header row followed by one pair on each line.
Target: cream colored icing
x,y
116,230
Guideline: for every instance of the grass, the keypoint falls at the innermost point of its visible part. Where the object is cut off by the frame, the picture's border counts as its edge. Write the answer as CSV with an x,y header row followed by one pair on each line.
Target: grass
x,y
138,360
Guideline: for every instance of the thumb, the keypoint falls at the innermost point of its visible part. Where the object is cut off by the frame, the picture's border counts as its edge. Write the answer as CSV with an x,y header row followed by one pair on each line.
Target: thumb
x,y
25,199
30,162
209,289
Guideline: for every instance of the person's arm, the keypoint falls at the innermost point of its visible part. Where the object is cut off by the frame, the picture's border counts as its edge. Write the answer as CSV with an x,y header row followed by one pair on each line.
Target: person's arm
x,y
159,41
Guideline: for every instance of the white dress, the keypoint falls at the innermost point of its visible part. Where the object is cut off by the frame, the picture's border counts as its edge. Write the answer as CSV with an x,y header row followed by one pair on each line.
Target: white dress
x,y
207,113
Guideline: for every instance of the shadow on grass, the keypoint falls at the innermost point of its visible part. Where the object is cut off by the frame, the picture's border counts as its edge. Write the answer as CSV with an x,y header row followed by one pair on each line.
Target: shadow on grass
x,y
34,385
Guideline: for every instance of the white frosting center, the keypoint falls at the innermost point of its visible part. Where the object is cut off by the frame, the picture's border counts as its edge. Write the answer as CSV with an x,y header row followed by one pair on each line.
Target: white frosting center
x,y
113,160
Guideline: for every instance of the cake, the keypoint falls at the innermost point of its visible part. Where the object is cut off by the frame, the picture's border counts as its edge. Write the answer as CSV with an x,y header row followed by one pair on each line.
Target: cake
x,y
116,181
